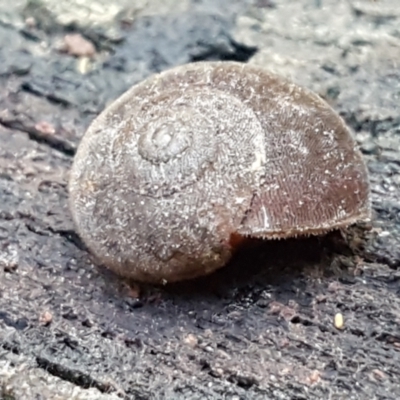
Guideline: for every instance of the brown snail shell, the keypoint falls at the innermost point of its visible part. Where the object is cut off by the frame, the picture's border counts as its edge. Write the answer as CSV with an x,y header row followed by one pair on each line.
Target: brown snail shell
x,y
182,163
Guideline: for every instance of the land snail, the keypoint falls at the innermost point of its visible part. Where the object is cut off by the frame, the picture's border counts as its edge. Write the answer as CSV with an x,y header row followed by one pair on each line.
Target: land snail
x,y
173,172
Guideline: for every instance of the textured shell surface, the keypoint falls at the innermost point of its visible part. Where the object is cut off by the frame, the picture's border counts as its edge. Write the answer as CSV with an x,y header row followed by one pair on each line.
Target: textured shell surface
x,y
181,162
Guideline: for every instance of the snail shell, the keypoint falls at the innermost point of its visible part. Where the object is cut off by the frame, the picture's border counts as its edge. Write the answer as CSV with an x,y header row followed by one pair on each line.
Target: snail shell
x,y
183,163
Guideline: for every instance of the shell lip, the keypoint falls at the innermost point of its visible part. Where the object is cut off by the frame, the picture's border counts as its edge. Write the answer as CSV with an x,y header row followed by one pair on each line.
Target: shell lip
x,y
363,217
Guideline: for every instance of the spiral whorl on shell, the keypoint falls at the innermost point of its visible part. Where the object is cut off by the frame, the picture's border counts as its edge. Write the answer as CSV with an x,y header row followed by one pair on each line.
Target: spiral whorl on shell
x,y
180,163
